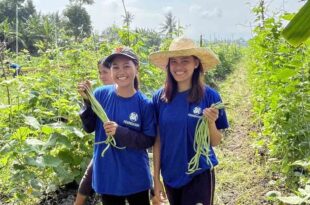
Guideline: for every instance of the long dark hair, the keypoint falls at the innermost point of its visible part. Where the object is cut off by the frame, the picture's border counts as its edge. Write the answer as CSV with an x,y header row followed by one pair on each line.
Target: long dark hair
x,y
196,91
136,80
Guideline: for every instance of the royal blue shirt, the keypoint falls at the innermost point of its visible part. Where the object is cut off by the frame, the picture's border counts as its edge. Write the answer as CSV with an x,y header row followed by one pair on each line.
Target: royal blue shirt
x,y
122,171
177,122
14,66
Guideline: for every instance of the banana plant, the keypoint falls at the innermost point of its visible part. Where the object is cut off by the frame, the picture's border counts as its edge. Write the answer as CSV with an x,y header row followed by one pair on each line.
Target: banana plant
x,y
298,29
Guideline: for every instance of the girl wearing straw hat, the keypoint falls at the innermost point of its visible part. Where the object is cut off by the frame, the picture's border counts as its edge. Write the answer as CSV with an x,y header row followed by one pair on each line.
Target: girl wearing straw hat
x,y
179,104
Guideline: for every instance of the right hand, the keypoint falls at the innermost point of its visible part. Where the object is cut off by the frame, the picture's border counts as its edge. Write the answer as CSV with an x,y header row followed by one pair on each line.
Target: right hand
x,y
82,86
159,193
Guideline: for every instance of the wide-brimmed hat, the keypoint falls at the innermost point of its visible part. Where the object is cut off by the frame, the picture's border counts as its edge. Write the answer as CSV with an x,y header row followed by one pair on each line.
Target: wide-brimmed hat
x,y
184,47
122,51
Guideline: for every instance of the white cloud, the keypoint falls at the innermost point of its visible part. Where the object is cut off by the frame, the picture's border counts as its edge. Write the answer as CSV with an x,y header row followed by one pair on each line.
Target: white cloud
x,y
110,5
195,8
212,18
167,9
216,12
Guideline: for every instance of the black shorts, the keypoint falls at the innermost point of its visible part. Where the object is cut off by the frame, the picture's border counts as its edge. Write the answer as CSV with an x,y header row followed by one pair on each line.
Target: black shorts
x,y
141,198
198,191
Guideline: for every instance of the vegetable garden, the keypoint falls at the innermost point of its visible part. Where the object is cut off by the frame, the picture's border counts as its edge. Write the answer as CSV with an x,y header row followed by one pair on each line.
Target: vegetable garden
x,y
43,146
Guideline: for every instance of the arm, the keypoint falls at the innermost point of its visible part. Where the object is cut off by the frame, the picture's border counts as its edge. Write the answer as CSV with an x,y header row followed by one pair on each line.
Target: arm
x,y
159,192
215,135
156,158
88,117
133,139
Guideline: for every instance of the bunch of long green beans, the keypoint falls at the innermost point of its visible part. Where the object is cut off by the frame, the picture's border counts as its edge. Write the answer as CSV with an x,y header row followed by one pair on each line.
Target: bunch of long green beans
x,y
99,111
202,142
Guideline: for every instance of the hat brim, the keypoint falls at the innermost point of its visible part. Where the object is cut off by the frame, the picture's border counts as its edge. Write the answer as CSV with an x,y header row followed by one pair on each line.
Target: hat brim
x,y
207,58
111,57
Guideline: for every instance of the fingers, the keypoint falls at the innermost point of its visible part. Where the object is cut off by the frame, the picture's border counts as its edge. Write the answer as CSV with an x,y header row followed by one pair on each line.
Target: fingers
x,y
82,87
110,128
211,114
163,196
159,192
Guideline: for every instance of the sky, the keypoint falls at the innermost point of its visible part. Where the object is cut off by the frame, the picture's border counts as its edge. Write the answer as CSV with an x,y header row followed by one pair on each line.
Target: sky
x,y
220,19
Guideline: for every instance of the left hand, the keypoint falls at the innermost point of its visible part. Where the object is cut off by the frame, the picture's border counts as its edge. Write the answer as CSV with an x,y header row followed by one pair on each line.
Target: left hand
x,y
110,128
211,114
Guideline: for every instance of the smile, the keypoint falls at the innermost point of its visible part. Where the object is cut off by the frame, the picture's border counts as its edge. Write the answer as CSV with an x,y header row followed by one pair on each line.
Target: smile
x,y
122,78
179,72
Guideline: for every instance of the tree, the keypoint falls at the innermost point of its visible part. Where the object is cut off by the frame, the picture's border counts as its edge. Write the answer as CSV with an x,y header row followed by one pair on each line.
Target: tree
x,y
8,20
169,26
150,37
81,2
260,12
127,19
8,10
78,23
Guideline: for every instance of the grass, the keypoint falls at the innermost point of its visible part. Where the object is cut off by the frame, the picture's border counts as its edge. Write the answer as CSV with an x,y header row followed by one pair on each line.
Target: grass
x,y
241,177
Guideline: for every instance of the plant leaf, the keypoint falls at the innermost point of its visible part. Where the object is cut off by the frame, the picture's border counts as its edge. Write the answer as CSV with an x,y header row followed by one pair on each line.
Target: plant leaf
x,y
32,121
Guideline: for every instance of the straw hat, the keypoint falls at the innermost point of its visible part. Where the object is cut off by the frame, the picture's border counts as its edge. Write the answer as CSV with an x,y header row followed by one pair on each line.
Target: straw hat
x,y
184,47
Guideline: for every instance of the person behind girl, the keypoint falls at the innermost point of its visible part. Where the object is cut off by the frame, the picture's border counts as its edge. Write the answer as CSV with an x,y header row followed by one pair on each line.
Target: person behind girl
x,y
178,105
122,174
85,187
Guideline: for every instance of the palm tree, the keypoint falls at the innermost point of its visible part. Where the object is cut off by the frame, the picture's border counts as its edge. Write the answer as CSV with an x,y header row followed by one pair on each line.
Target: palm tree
x,y
127,19
81,2
169,26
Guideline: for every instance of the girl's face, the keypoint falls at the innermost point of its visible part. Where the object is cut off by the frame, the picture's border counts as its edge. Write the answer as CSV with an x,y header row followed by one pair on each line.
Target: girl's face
x,y
123,71
182,68
105,75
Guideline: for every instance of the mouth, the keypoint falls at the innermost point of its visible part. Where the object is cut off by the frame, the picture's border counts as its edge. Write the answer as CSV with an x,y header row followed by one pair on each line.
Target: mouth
x,y
179,73
122,78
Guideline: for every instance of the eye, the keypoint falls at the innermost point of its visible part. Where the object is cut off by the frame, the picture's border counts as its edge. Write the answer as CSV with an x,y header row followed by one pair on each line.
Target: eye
x,y
173,61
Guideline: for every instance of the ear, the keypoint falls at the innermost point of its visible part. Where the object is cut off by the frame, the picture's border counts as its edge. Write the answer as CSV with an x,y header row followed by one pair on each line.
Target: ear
x,y
197,61
137,70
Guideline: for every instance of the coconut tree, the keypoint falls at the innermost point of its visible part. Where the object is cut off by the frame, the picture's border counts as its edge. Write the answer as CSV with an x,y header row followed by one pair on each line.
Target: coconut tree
x,y
169,26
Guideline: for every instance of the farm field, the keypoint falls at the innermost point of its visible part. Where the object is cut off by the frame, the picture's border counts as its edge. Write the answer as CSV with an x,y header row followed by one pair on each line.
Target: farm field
x,y
264,157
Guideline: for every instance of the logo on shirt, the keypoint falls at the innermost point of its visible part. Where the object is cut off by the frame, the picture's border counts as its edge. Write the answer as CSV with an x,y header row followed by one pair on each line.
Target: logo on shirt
x,y
196,112
133,117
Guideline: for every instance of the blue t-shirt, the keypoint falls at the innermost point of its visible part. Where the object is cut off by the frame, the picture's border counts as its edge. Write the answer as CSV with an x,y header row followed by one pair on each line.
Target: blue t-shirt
x,y
122,171
177,122
14,66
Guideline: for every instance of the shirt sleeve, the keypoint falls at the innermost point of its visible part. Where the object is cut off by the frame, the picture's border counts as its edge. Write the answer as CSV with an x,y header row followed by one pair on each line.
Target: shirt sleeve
x,y
88,117
133,139
221,122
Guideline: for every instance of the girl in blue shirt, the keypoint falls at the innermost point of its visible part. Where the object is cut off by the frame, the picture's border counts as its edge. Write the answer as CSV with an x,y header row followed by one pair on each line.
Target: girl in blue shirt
x,y
178,105
85,187
122,173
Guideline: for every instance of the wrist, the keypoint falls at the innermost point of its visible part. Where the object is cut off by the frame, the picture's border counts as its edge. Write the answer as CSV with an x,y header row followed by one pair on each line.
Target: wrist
x,y
86,102
156,178
211,124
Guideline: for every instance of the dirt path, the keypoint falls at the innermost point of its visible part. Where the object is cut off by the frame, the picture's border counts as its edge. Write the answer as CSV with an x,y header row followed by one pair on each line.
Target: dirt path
x,y
241,175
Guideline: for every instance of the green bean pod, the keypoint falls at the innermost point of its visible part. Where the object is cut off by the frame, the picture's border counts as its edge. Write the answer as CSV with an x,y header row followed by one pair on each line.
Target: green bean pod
x,y
99,111
202,142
